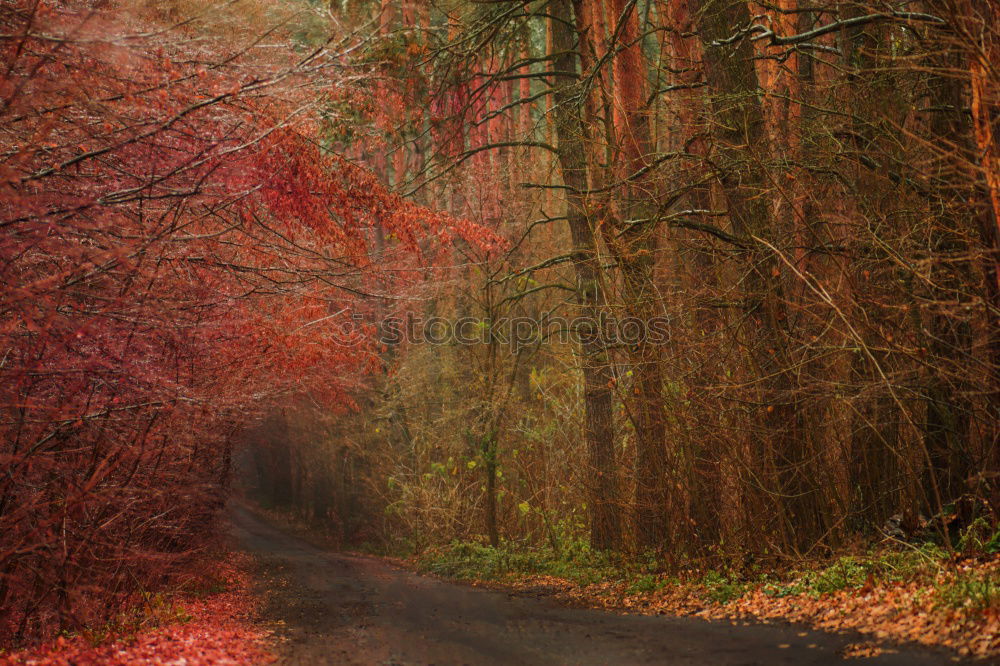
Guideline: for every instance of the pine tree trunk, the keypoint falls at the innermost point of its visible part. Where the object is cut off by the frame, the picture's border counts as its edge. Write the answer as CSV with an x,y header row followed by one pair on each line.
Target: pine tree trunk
x,y
605,528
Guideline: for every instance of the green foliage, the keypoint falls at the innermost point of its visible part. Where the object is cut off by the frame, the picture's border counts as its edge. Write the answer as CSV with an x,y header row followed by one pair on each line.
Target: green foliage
x,y
575,562
643,574
977,590
979,537
847,572
645,584
853,572
784,589
993,545
722,588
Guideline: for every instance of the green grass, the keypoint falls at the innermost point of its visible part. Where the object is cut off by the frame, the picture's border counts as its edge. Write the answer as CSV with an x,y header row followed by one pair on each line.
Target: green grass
x,y
647,574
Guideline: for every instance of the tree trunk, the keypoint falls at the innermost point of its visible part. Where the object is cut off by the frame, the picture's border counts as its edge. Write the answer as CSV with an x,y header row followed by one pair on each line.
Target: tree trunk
x,y
740,153
605,529
634,240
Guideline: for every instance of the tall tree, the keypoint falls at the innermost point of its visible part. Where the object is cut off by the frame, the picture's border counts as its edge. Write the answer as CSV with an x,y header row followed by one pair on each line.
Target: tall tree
x,y
740,154
632,233
568,99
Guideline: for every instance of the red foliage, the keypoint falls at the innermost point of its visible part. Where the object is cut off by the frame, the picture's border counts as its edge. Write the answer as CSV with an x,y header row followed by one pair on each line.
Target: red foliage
x,y
175,251
212,630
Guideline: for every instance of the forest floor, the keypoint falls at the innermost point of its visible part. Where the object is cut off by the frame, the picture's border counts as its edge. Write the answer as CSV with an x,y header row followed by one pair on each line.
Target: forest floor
x,y
890,597
212,621
326,607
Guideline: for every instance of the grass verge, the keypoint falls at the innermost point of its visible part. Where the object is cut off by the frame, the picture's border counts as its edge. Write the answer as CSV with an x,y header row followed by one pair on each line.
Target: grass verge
x,y
897,592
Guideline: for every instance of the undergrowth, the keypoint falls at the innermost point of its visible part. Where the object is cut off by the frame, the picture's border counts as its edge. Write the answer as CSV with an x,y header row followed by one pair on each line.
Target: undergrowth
x,y
474,561
928,564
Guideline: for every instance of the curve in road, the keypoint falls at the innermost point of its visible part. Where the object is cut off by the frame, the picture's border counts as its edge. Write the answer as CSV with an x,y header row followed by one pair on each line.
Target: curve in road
x,y
329,608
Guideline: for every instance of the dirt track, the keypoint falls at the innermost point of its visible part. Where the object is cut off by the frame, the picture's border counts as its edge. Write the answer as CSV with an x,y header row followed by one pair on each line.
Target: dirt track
x,y
337,609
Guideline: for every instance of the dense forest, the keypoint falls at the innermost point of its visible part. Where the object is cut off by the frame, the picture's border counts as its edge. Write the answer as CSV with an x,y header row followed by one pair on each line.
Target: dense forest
x,y
715,280
802,195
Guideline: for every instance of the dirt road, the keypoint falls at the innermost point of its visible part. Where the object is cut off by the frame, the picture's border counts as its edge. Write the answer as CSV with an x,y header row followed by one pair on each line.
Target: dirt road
x,y
337,609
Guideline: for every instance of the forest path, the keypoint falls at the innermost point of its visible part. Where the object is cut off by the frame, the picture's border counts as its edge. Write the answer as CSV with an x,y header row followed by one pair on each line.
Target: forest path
x,y
328,608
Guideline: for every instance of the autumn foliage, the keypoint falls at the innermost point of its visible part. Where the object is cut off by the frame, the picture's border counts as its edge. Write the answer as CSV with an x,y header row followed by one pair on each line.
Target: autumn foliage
x,y
210,619
207,214
176,248
806,191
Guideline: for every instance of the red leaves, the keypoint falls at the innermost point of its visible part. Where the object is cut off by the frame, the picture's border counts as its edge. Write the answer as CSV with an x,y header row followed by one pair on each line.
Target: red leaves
x,y
214,630
173,259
